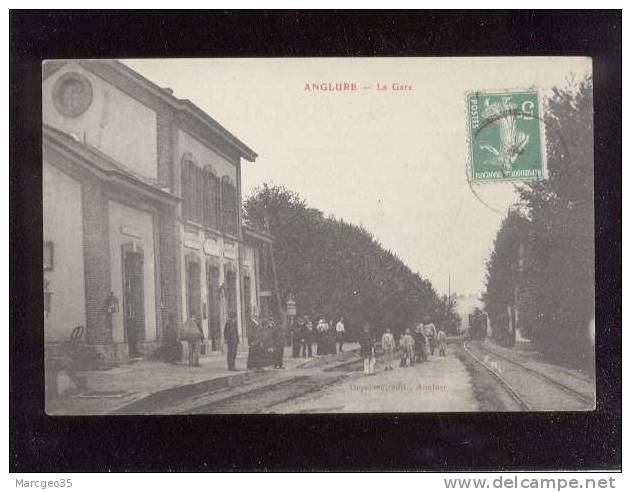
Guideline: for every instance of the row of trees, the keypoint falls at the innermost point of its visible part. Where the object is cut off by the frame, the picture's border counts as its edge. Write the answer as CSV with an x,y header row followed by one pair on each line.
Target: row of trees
x,y
542,263
335,268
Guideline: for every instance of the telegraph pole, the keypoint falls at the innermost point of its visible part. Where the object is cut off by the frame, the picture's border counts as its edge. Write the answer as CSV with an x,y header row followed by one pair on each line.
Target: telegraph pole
x,y
449,291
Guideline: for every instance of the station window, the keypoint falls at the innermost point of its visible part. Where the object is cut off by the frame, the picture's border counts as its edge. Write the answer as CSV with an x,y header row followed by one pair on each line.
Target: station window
x,y
200,193
230,219
211,198
207,199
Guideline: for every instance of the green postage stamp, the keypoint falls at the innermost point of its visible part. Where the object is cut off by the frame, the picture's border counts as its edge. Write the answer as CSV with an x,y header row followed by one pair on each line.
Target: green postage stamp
x,y
506,136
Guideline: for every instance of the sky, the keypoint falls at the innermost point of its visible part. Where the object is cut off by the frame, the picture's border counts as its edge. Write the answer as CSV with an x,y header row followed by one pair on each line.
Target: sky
x,y
392,161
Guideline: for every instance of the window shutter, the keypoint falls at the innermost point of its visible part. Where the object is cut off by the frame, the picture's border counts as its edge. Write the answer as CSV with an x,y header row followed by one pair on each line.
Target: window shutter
x,y
224,206
184,180
208,197
229,203
205,217
234,215
199,194
216,202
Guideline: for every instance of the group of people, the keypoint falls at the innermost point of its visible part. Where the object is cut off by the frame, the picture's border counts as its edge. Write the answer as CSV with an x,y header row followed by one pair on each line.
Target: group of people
x,y
267,342
327,335
415,345
420,343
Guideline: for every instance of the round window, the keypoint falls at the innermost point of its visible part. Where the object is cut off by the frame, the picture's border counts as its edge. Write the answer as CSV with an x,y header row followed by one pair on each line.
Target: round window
x,y
72,94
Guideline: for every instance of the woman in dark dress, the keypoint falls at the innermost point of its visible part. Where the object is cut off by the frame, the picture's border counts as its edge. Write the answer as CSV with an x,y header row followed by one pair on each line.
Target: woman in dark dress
x,y
255,348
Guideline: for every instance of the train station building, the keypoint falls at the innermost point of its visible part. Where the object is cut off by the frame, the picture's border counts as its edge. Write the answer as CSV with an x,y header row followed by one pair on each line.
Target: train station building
x,y
142,217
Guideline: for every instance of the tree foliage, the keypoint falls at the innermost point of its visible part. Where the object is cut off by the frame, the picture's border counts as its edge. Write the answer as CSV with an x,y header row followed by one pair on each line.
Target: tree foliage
x,y
335,268
557,229
502,271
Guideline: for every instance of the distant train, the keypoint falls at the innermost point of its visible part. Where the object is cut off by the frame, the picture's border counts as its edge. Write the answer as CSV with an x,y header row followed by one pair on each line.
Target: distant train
x,y
478,324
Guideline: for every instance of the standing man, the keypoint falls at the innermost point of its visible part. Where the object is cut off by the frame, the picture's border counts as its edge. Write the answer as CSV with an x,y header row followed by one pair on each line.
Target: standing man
x,y
367,350
329,337
388,346
231,336
296,329
307,339
340,334
319,333
442,343
430,332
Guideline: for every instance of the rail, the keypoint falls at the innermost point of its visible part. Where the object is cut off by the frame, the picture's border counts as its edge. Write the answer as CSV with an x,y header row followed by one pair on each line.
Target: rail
x,y
577,394
523,404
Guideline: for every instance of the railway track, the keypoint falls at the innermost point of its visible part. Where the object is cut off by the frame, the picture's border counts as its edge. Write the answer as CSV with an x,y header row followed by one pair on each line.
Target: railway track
x,y
262,397
517,398
529,389
589,399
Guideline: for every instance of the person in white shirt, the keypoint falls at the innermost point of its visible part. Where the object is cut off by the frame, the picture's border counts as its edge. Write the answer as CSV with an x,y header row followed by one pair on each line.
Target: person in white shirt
x,y
321,328
340,334
430,332
388,346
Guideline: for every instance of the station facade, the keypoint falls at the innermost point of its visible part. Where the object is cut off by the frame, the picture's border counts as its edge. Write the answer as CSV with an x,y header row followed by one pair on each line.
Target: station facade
x,y
142,216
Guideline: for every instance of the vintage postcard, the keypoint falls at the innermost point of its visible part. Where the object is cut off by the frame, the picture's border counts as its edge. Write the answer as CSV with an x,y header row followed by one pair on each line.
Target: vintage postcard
x,y
318,235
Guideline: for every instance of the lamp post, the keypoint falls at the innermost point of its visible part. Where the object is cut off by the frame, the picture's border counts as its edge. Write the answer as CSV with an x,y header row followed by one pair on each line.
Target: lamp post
x,y
291,308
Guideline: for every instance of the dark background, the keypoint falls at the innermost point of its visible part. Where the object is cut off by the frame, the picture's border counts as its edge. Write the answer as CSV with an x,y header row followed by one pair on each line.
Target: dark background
x,y
440,442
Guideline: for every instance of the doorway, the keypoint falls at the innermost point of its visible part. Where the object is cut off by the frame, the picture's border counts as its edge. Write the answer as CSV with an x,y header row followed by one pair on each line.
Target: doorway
x,y
214,328
133,299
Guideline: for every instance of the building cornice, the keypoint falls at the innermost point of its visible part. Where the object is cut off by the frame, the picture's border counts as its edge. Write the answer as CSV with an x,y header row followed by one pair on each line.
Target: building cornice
x,y
183,106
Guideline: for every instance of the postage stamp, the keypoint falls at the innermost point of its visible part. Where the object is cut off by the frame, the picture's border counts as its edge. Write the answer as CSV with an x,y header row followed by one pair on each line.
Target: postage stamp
x,y
506,136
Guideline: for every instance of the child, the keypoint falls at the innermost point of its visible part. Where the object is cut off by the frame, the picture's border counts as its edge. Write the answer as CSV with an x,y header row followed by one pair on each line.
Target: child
x,y
407,349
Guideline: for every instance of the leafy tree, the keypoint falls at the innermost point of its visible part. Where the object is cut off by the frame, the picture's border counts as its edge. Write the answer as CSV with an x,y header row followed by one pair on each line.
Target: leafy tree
x,y
335,268
448,316
561,212
555,283
502,272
